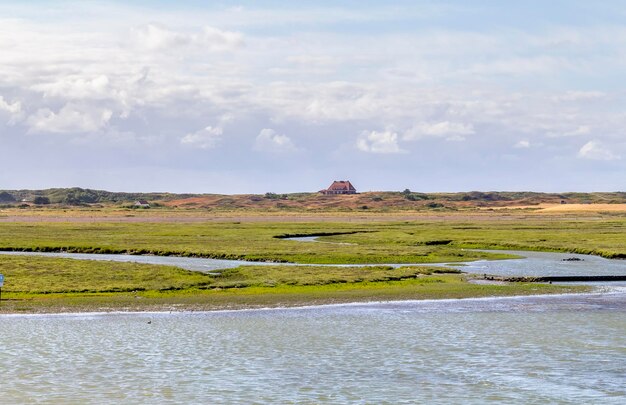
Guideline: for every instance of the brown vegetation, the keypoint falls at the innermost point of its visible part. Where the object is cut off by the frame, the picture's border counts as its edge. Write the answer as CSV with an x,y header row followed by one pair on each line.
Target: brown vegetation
x,y
390,201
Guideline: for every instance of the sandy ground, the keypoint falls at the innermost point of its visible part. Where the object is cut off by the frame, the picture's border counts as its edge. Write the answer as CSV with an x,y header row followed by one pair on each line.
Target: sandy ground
x,y
554,208
582,208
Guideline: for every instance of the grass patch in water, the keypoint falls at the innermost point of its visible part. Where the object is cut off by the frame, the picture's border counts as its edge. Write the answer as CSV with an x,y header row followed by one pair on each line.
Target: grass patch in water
x,y
44,275
36,284
272,276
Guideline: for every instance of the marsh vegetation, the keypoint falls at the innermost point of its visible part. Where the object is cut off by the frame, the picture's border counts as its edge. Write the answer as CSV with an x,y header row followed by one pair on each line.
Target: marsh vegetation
x,y
41,284
48,284
426,241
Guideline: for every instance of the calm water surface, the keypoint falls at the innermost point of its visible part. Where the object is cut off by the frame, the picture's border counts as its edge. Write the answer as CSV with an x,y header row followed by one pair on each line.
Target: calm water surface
x,y
547,264
523,350
567,349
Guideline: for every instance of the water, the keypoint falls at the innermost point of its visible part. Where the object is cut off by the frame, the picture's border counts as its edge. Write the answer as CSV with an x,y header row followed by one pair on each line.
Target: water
x,y
518,350
533,264
547,264
304,239
315,239
567,349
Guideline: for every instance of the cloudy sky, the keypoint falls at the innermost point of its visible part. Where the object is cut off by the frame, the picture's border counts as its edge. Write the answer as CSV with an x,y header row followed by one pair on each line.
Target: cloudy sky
x,y
243,97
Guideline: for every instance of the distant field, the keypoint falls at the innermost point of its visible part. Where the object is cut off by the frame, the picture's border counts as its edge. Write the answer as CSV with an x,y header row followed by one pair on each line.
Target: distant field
x,y
418,240
164,214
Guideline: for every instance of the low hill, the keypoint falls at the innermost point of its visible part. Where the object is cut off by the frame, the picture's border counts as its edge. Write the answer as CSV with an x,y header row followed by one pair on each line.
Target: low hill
x,y
380,201
81,196
390,201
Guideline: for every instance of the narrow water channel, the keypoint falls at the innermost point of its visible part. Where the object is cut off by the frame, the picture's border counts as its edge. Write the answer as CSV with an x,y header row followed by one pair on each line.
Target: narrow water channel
x,y
532,263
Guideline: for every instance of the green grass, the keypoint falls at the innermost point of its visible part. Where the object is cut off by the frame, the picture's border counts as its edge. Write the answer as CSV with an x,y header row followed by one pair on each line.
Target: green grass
x,y
40,284
430,287
405,242
43,275
272,276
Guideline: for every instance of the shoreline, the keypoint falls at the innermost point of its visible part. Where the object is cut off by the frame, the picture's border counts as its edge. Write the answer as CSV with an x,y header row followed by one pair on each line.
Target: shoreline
x,y
103,252
596,292
265,301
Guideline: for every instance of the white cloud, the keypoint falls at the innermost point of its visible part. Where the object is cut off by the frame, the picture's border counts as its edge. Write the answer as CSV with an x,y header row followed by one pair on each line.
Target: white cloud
x,y
594,150
455,81
311,60
580,96
76,87
157,37
523,144
218,40
521,66
269,140
579,130
324,102
379,142
455,138
206,138
14,110
452,131
70,119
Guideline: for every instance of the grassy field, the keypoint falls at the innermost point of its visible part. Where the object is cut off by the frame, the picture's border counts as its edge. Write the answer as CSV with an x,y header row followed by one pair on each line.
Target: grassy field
x,y
46,284
43,275
425,241
38,284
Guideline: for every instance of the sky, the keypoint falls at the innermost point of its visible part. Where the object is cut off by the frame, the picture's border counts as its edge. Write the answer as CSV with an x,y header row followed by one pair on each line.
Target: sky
x,y
277,96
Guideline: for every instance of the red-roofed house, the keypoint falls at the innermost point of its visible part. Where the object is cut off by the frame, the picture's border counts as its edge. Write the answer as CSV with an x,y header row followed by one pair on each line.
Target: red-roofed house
x,y
340,187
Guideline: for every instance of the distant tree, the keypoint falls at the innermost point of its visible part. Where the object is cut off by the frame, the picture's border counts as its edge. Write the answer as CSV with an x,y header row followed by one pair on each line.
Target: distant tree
x,y
6,197
79,196
41,200
411,196
274,196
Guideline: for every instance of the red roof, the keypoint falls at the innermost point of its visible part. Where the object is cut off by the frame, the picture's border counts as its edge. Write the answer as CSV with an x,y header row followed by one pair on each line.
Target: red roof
x,y
341,185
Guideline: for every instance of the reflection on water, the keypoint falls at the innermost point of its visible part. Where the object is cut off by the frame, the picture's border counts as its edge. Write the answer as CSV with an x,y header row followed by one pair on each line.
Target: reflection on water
x,y
565,349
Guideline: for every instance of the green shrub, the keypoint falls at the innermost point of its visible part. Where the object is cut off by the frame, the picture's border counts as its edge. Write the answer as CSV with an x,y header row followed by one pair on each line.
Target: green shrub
x,y
6,197
41,200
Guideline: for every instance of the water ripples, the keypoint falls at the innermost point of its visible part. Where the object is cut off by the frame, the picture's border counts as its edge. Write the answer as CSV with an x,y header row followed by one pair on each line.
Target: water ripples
x,y
573,351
